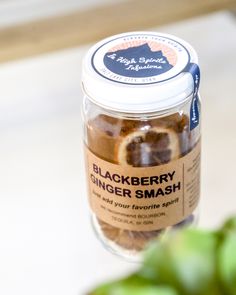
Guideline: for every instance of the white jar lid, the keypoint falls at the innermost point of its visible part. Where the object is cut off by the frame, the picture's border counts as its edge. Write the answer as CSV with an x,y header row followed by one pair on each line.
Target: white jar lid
x,y
139,72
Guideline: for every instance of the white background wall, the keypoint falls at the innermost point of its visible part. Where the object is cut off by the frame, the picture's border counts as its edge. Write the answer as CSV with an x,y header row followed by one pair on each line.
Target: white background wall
x,y
17,11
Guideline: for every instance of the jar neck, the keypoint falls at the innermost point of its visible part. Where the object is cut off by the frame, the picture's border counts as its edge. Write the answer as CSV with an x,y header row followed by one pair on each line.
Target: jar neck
x,y
139,115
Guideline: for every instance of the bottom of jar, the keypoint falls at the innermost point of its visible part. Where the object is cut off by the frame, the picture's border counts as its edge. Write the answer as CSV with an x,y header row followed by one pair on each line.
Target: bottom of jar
x,y
130,245
110,245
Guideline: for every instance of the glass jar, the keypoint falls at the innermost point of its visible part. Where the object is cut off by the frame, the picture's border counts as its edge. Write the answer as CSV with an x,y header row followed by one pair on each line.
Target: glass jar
x,y
142,138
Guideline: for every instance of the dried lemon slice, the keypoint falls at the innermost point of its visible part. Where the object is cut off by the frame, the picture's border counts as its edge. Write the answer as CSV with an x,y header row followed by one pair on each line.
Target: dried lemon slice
x,y
152,147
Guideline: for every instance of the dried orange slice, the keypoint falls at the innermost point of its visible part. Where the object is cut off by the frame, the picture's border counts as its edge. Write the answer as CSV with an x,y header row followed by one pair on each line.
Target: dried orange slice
x,y
130,240
152,147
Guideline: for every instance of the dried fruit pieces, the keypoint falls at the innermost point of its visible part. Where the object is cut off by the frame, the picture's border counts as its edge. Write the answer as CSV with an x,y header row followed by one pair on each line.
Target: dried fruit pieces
x,y
130,240
137,143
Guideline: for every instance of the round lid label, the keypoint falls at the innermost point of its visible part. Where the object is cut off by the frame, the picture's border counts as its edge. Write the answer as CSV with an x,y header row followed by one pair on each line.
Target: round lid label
x,y
140,59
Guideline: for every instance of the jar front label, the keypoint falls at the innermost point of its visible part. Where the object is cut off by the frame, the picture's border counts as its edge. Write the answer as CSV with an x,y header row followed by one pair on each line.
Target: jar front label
x,y
144,199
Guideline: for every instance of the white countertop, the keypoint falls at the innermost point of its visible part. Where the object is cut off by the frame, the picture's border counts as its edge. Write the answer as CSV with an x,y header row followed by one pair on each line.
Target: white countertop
x,y
46,242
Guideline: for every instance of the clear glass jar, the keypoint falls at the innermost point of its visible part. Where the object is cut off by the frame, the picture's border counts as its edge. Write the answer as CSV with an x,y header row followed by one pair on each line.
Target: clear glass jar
x,y
142,139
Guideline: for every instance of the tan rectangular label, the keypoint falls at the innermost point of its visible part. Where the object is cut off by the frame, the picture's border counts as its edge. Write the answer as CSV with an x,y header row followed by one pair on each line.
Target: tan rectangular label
x,y
144,199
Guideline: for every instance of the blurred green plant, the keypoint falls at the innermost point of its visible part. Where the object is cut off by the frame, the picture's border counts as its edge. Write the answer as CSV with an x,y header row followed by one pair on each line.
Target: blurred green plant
x,y
187,262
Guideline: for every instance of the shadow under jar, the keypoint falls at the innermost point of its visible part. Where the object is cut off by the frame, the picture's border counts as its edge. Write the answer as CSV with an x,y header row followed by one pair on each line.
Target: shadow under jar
x,y
142,138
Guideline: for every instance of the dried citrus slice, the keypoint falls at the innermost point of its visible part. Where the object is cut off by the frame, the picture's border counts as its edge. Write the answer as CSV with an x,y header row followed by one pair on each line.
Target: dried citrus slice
x,y
130,240
152,147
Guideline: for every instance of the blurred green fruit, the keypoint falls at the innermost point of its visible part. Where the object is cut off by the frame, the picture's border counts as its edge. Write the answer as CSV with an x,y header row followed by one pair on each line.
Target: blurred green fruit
x,y
185,260
132,290
227,263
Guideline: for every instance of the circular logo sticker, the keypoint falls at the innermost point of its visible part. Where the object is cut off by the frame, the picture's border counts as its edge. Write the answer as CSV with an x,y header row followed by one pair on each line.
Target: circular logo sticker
x,y
140,59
